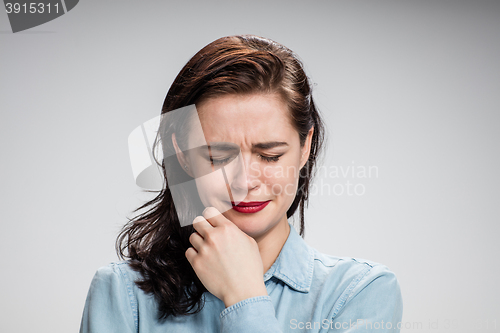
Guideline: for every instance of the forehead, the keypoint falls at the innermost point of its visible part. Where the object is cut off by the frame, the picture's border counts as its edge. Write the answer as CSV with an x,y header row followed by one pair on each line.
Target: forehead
x,y
245,119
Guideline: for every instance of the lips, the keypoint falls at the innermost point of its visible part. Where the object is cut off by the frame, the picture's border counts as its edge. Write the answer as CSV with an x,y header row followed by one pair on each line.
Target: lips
x,y
250,207
249,204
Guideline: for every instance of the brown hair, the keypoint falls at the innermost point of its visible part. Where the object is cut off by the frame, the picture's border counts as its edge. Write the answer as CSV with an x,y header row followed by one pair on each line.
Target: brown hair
x,y
155,241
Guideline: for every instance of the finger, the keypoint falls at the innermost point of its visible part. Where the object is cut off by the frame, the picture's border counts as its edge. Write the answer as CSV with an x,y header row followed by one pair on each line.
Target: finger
x,y
213,216
190,254
196,240
201,225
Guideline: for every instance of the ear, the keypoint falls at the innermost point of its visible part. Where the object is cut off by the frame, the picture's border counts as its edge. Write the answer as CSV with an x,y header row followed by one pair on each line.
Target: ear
x,y
306,150
183,160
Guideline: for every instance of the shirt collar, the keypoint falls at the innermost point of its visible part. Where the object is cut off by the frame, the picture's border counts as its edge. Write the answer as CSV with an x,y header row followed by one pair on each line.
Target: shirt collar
x,y
294,264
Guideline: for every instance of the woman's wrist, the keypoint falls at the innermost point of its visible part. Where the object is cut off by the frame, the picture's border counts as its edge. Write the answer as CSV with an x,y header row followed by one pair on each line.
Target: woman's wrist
x,y
236,297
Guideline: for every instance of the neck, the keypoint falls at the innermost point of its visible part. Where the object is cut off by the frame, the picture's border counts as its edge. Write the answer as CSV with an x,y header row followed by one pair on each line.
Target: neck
x,y
271,243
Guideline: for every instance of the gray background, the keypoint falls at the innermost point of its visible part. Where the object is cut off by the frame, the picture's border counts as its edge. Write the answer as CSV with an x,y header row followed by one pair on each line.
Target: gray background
x,y
411,87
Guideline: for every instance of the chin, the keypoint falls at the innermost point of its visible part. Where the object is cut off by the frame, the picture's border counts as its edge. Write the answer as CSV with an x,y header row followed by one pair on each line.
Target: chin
x,y
253,226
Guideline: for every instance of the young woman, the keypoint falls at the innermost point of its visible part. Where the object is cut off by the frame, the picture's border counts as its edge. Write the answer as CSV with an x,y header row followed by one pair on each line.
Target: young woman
x,y
239,265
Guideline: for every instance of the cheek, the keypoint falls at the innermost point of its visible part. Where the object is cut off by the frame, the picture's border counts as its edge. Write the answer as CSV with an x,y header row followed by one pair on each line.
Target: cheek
x,y
281,180
212,187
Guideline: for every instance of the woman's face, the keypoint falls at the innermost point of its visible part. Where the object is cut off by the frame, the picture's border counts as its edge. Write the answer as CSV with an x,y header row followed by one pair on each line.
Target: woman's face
x,y
254,156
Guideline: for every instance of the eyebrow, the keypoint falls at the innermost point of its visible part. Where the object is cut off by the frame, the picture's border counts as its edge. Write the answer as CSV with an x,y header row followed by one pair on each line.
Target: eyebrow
x,y
223,146
269,145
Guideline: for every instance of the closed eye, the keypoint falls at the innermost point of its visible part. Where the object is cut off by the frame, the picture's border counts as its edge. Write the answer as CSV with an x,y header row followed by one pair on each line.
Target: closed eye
x,y
263,157
270,158
219,162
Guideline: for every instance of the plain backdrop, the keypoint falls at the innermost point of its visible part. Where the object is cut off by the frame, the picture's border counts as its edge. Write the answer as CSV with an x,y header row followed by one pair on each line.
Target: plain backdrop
x,y
409,89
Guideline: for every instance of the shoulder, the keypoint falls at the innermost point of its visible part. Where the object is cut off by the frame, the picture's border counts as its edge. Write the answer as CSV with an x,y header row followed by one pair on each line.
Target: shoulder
x,y
111,303
351,275
116,274
114,268
349,280
348,265
119,267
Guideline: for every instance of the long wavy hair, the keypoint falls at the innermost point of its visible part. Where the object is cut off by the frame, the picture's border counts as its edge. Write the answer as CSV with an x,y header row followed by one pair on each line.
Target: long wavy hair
x,y
154,240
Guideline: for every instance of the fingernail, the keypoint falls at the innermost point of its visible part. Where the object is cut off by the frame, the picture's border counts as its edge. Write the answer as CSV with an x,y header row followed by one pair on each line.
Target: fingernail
x,y
198,219
209,213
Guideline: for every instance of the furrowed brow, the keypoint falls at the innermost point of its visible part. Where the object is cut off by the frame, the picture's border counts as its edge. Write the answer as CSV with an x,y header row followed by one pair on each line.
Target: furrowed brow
x,y
224,146
269,145
220,146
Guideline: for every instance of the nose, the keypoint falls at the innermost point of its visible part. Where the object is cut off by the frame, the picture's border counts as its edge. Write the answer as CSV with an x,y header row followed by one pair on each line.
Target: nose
x,y
246,175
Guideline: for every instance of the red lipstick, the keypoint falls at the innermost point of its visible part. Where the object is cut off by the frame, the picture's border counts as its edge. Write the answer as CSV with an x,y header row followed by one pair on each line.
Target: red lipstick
x,y
250,207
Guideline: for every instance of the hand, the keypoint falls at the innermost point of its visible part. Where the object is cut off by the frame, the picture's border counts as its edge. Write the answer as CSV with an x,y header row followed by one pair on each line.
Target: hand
x,y
226,260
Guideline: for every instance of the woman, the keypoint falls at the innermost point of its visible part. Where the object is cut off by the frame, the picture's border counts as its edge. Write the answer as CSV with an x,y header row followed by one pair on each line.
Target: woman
x,y
239,122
